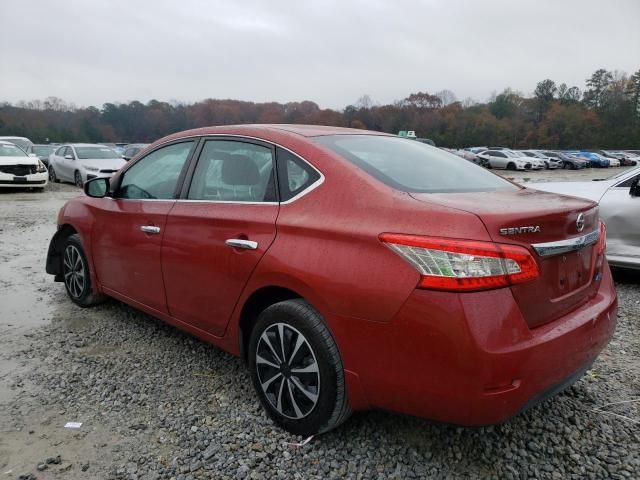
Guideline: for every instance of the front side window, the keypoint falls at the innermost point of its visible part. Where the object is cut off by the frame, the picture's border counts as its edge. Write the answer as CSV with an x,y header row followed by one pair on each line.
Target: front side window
x,y
412,166
234,171
156,175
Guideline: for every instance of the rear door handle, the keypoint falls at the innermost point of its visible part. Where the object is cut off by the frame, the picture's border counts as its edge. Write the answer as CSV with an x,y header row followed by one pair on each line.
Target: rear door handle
x,y
240,243
150,229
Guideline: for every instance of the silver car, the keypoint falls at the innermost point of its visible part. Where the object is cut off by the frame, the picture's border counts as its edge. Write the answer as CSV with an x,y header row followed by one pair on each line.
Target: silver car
x,y
619,199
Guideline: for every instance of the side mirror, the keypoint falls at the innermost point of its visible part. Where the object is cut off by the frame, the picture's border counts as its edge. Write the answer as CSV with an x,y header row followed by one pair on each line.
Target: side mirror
x,y
32,155
97,187
69,157
634,191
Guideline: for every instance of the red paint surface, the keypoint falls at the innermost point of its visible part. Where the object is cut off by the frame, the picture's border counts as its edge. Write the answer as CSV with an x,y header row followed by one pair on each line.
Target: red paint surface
x,y
471,358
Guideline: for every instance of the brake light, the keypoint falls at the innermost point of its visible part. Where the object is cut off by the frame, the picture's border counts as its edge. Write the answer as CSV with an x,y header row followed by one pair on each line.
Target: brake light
x,y
463,265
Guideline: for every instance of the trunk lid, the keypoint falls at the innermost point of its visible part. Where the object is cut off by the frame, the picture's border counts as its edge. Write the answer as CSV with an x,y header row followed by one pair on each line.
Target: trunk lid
x,y
527,217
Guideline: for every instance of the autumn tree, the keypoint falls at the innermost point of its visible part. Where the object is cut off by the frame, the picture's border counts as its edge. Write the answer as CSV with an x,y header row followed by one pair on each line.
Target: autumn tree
x,y
597,87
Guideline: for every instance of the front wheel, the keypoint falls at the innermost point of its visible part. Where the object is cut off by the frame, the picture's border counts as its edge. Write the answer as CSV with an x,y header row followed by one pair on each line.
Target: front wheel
x,y
296,369
52,175
78,179
77,276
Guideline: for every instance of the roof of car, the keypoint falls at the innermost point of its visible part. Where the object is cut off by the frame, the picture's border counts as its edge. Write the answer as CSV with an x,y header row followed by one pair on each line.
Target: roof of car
x,y
85,145
296,129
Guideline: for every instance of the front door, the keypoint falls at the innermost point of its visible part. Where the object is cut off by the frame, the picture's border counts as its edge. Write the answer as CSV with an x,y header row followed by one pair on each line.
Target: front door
x,y
128,229
68,164
216,236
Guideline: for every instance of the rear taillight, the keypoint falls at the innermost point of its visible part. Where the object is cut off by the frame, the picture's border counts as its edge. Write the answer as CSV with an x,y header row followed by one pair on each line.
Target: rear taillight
x,y
463,265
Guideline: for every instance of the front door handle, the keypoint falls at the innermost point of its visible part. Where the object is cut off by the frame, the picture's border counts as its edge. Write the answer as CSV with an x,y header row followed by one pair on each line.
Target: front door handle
x,y
150,229
240,243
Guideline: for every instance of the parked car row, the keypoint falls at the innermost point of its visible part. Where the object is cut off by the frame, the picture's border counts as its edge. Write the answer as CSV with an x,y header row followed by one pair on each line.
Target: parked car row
x,y
536,159
23,163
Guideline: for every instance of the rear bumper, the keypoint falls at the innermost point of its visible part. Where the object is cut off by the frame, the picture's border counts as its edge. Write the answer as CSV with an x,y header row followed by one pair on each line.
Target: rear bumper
x,y
471,359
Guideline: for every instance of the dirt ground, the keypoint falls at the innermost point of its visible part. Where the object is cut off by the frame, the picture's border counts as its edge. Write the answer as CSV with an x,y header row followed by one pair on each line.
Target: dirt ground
x,y
156,403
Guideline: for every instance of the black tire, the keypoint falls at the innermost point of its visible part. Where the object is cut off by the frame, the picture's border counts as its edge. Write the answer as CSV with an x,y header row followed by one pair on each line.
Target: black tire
x,y
77,179
511,166
76,273
52,175
324,406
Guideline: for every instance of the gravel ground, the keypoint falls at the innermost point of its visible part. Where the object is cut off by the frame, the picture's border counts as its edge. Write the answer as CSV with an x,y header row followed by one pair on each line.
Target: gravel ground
x,y
156,403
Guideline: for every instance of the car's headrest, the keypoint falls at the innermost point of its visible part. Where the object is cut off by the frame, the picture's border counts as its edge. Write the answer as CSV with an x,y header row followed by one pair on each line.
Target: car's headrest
x,y
240,170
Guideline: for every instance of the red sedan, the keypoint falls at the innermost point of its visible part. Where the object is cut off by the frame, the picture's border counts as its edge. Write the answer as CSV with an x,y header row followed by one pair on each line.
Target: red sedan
x,y
351,269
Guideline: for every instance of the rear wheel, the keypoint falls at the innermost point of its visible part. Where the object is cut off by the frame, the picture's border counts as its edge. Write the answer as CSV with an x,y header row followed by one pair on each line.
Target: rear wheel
x,y
297,370
77,277
78,179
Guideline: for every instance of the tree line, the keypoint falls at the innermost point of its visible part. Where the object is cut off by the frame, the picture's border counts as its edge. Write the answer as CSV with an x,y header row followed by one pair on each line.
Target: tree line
x,y
606,114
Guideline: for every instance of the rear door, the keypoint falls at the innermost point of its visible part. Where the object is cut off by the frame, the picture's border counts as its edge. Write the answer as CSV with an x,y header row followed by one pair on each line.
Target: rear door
x,y
128,229
218,232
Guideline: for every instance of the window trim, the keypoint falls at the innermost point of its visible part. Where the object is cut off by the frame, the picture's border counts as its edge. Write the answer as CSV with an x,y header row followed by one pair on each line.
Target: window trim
x,y
260,141
181,178
631,176
184,191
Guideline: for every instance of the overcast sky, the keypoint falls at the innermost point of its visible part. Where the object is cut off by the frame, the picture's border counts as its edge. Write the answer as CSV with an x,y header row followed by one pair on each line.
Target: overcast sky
x,y
330,52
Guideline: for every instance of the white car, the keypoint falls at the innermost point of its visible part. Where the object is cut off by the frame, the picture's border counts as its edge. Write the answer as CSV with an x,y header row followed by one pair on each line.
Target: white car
x,y
19,170
549,162
613,162
505,159
80,162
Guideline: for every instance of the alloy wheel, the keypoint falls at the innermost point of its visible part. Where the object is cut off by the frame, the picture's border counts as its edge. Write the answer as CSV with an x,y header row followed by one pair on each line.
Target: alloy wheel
x,y
288,371
74,271
78,179
52,174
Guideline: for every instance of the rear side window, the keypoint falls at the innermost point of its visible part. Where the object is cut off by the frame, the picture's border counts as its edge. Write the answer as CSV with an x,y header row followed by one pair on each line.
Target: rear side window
x,y
294,175
234,171
412,166
156,175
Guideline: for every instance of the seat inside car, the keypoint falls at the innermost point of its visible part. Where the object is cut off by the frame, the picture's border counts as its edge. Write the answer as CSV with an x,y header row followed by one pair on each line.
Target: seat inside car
x,y
231,177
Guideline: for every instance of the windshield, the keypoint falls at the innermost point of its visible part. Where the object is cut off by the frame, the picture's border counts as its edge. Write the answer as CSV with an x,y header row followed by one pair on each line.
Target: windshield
x,y
41,150
9,150
95,152
23,143
511,154
412,166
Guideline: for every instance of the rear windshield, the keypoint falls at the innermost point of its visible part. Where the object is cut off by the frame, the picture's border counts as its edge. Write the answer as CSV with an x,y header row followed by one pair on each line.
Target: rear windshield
x,y
413,166
43,149
96,152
